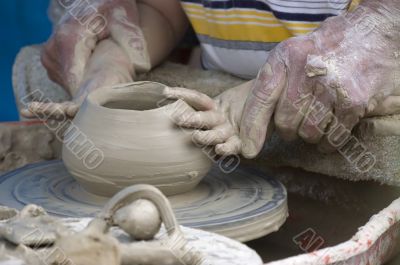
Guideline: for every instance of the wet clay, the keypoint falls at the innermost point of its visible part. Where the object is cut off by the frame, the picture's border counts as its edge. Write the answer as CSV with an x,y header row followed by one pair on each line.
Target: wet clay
x,y
31,227
242,205
89,247
7,213
141,219
22,144
136,142
118,211
101,241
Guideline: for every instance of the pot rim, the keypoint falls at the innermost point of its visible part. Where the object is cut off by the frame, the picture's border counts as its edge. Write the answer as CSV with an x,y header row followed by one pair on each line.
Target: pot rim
x,y
96,97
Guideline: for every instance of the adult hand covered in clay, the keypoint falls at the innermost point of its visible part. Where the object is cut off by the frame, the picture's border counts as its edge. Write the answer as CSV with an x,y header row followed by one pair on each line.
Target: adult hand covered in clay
x,y
311,85
86,53
347,68
75,51
108,66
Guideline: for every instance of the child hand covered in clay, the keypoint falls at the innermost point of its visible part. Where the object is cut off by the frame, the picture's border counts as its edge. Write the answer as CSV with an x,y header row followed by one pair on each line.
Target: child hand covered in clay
x,y
216,121
345,70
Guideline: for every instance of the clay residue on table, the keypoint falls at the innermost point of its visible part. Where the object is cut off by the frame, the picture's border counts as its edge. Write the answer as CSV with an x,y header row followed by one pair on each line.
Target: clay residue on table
x,y
21,145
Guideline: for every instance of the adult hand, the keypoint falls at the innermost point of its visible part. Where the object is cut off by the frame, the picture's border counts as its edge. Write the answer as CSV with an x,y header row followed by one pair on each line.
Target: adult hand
x,y
93,46
108,66
314,85
71,53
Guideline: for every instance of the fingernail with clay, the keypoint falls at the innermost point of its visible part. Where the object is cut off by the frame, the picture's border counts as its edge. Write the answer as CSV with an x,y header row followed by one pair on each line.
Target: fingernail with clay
x,y
33,106
222,149
169,92
176,118
182,119
249,149
196,135
26,113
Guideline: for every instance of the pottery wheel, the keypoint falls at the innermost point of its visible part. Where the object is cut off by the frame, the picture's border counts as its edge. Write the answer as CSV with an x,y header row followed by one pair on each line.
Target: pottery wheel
x,y
243,205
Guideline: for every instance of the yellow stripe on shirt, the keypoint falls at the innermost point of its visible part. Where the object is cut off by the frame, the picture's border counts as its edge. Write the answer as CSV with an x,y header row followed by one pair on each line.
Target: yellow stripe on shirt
x,y
244,25
354,4
237,35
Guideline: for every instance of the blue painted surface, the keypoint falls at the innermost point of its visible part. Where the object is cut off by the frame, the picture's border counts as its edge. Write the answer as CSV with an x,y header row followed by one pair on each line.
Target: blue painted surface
x,y
22,22
51,186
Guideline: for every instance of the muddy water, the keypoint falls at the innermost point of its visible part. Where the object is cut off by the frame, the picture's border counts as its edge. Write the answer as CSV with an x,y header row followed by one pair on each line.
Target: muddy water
x,y
329,210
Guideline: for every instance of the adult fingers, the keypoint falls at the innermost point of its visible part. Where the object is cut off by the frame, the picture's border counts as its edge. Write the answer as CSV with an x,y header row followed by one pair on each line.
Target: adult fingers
x,y
340,127
260,105
389,106
46,111
317,116
298,95
53,66
197,100
66,54
107,66
125,30
312,128
290,113
350,105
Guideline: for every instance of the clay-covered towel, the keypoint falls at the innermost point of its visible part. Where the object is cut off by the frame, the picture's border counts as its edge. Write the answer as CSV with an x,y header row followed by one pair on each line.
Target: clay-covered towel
x,y
373,153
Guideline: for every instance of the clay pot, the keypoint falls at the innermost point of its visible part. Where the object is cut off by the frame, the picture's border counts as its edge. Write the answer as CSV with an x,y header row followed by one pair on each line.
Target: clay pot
x,y
121,137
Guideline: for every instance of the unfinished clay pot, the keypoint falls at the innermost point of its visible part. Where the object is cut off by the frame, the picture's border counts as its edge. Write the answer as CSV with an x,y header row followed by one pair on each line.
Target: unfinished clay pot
x,y
124,135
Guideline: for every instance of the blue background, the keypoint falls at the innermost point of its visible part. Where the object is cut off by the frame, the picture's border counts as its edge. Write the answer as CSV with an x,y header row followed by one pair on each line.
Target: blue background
x,y
22,22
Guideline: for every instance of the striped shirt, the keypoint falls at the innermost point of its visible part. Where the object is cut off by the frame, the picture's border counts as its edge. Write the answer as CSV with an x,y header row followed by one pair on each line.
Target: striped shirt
x,y
237,35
